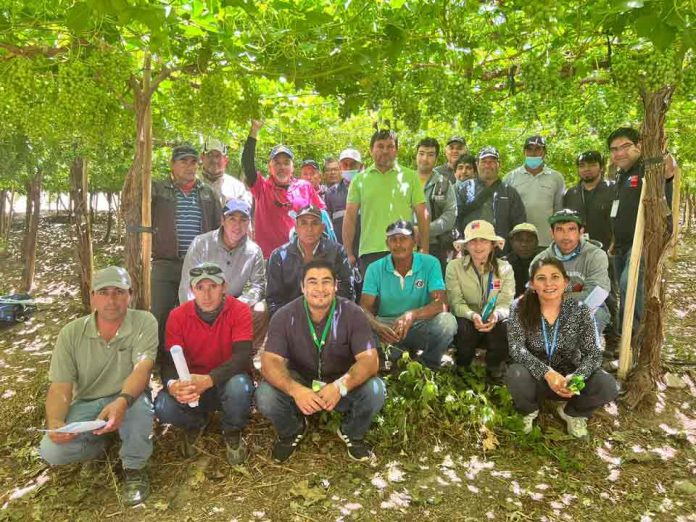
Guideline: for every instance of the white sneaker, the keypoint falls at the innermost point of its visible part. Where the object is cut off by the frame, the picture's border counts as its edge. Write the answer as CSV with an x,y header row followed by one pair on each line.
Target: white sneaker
x,y
528,422
577,426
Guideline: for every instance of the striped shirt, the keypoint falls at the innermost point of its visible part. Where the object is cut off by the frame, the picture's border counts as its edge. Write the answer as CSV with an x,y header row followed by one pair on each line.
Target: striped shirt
x,y
189,219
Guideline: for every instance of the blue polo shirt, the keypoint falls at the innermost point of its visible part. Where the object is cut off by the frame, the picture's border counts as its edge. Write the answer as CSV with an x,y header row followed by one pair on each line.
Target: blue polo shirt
x,y
397,294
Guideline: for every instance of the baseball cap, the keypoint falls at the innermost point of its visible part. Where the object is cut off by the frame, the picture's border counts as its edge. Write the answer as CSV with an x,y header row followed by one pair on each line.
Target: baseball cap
x,y
281,149
309,210
111,276
213,144
311,163
184,151
400,226
236,205
456,139
524,227
535,141
564,216
207,270
488,152
350,154
590,156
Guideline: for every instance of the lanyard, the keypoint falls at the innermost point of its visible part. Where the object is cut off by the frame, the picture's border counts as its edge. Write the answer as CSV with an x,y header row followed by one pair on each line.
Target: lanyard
x,y
489,286
317,342
550,349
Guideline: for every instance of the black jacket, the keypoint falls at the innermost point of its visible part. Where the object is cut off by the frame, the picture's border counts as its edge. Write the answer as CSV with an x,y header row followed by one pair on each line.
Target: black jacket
x,y
595,207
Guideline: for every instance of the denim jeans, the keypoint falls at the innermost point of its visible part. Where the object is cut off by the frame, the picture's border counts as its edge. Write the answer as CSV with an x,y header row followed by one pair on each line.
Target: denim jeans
x,y
135,433
359,407
433,336
233,398
621,265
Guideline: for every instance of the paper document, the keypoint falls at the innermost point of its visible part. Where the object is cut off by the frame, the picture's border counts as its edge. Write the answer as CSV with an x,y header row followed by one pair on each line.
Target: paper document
x,y
597,296
80,427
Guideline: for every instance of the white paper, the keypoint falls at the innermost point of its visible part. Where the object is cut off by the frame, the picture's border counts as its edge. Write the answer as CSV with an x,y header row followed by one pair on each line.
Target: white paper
x,y
597,296
80,427
181,367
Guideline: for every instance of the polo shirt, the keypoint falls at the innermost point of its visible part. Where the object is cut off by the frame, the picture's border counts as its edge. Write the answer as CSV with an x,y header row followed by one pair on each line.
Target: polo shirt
x,y
383,198
542,195
207,346
189,219
272,220
398,295
349,335
98,368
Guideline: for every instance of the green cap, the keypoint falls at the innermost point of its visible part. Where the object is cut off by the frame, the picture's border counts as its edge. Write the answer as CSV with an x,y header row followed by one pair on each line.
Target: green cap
x,y
111,276
565,215
206,270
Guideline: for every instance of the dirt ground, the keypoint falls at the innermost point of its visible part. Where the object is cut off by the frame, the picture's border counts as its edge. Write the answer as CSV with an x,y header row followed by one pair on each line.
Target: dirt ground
x,y
635,466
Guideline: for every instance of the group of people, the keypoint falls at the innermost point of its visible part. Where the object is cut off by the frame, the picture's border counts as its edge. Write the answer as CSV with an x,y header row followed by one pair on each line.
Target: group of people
x,y
326,279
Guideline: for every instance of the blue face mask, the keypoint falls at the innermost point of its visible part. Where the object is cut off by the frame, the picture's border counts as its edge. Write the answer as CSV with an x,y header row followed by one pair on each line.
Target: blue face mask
x,y
533,162
348,175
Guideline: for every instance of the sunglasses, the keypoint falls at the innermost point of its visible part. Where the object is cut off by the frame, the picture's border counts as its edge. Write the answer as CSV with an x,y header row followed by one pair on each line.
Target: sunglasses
x,y
209,270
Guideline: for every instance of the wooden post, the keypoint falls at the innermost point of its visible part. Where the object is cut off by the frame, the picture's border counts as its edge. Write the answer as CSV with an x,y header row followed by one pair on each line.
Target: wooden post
x,y
676,211
625,353
146,215
79,194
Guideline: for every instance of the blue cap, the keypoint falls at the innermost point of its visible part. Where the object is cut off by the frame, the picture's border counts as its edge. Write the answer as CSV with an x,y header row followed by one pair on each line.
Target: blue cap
x,y
237,205
281,149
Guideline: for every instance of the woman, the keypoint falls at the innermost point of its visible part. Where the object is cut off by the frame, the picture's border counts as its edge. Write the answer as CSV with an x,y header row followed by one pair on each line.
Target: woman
x,y
472,281
551,339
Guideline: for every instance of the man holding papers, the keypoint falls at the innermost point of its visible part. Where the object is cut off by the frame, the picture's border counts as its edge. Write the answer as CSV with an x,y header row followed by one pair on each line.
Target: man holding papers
x,y
214,331
584,261
100,370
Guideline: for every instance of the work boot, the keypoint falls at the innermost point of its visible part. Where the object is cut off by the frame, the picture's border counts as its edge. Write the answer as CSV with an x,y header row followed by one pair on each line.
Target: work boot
x,y
236,447
136,486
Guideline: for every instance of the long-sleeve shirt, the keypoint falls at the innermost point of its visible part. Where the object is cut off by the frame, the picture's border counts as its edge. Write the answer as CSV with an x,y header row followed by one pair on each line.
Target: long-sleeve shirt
x,y
243,267
577,351
441,201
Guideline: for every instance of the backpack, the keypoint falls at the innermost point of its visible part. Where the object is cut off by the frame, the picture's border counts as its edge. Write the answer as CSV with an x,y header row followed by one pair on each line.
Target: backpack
x,y
16,308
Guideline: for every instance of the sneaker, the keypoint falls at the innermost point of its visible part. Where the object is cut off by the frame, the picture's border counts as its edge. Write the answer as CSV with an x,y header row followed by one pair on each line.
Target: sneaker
x,y
357,448
286,446
236,447
136,487
528,422
188,438
577,426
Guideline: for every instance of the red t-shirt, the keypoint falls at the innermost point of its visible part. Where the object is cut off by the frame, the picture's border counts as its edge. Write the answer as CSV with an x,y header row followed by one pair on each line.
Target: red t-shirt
x,y
272,223
208,346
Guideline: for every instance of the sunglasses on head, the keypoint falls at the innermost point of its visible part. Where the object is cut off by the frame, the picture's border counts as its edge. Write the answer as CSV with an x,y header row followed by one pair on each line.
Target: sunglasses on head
x,y
209,270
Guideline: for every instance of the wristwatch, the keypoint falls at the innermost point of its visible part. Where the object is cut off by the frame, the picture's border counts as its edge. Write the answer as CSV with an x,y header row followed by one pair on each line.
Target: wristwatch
x,y
342,390
129,398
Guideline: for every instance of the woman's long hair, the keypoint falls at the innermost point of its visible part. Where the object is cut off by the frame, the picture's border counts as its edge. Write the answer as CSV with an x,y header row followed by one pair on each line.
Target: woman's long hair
x,y
491,262
528,307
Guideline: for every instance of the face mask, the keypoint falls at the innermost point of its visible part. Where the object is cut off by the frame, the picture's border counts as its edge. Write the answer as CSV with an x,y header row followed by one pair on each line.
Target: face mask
x,y
348,175
533,162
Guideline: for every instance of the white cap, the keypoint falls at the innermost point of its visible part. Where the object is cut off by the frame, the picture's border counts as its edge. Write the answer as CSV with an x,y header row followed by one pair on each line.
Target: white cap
x,y
213,144
350,154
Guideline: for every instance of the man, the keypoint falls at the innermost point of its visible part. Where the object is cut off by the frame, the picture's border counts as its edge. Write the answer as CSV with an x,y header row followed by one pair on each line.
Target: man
x,y
214,161
455,147
182,208
540,187
384,192
310,172
241,260
585,262
332,171
592,197
350,164
404,298
524,246
440,199
465,168
215,333
320,357
100,369
285,264
625,147
489,199
277,197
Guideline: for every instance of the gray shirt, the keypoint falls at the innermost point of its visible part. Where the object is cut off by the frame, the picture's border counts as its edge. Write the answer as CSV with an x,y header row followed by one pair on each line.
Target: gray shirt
x,y
542,195
243,266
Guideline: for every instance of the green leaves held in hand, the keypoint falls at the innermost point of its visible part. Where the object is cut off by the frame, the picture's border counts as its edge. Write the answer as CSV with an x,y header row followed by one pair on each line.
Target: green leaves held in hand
x,y
576,384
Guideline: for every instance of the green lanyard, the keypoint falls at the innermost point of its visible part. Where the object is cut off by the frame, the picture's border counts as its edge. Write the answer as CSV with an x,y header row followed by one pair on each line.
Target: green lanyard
x,y
317,342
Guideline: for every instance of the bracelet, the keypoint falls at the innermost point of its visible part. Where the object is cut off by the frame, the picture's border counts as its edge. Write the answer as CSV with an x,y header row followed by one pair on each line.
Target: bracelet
x,y
129,398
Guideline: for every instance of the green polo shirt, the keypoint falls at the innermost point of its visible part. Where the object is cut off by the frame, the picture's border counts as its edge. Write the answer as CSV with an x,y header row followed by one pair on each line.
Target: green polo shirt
x,y
96,368
383,198
397,294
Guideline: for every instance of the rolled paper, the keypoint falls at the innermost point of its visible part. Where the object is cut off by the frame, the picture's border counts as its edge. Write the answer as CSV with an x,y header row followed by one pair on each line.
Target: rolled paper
x,y
181,367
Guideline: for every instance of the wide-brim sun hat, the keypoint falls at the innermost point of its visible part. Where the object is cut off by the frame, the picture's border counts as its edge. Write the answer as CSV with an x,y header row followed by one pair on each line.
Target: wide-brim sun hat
x,y
479,229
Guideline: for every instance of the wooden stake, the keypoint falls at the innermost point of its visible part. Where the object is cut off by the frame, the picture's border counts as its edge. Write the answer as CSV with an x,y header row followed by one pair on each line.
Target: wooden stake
x,y
146,215
625,352
676,211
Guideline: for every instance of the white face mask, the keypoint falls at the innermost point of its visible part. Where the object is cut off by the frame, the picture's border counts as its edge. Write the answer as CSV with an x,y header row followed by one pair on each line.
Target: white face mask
x,y
348,175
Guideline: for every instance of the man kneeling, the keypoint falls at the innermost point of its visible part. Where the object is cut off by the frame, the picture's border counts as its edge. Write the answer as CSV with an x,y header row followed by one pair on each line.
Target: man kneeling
x,y
320,355
100,369
215,332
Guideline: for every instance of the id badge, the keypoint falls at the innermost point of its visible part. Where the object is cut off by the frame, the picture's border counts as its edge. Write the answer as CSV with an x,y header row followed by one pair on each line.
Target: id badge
x,y
317,385
614,208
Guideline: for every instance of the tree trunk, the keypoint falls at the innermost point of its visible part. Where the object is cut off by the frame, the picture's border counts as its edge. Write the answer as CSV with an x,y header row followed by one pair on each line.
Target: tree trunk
x,y
109,217
642,383
31,231
83,231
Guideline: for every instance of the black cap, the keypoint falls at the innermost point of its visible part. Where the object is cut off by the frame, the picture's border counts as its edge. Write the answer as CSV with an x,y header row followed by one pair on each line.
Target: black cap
x,y
311,163
566,215
309,210
456,139
280,149
184,151
535,141
400,226
589,156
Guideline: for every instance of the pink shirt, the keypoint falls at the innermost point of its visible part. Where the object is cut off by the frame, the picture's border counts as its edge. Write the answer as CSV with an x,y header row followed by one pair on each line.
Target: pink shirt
x,y
272,221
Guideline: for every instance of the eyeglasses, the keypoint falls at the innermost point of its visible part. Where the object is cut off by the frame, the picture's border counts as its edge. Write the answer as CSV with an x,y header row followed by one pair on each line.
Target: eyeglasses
x,y
622,148
209,270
